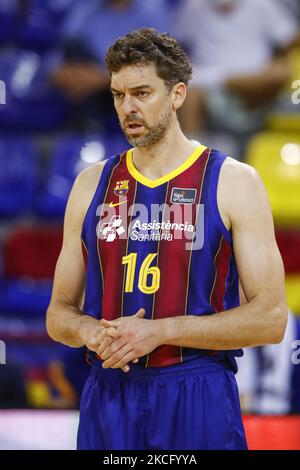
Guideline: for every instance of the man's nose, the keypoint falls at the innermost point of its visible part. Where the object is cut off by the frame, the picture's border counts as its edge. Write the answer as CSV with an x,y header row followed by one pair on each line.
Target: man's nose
x,y
129,105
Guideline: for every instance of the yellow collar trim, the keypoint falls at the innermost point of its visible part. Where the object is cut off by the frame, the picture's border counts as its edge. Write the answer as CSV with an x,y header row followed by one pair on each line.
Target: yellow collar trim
x,y
163,179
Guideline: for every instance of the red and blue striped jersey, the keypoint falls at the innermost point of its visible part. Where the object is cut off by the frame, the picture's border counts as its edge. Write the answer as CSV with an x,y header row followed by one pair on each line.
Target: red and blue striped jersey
x,y
160,245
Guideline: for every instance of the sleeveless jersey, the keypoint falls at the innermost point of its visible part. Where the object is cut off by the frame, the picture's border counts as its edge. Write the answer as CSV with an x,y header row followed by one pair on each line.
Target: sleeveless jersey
x,y
160,245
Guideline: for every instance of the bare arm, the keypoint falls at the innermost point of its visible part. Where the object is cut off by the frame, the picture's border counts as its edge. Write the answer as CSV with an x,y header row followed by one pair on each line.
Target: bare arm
x,y
262,319
65,318
66,322
263,86
244,207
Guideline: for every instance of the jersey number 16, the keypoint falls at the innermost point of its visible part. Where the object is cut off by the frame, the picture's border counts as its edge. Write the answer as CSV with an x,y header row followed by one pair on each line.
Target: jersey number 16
x,y
145,271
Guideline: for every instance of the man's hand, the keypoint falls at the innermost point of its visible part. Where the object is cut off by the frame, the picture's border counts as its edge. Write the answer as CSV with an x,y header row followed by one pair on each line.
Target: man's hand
x,y
97,337
135,337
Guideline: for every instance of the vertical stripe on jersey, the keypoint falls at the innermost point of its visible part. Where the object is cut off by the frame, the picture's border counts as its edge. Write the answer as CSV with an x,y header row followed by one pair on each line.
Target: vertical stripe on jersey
x,y
221,263
133,301
128,250
84,254
174,264
111,253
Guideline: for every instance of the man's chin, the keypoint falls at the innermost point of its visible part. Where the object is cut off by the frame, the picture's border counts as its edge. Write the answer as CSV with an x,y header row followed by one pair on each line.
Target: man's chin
x,y
137,140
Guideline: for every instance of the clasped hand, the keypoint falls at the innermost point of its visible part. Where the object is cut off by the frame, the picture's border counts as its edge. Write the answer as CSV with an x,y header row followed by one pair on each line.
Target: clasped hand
x,y
132,338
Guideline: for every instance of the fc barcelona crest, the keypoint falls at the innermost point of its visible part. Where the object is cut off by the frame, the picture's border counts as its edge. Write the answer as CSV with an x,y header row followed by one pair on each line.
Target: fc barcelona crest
x,y
121,188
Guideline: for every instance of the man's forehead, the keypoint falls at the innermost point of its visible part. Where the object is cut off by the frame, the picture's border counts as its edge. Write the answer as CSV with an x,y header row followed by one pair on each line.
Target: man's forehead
x,y
133,76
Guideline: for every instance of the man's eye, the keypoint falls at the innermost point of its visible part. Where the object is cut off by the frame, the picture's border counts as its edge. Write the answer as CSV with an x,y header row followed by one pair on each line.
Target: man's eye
x,y
143,94
117,95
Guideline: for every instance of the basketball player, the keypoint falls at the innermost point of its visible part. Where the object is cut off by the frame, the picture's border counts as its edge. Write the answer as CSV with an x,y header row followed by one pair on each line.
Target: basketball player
x,y
167,230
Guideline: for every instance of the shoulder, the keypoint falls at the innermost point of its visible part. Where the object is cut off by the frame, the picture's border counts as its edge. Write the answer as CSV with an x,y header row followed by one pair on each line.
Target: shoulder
x,y
84,189
237,173
239,188
88,179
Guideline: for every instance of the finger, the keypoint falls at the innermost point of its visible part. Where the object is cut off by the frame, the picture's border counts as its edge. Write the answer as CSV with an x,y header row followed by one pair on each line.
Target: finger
x,y
104,338
107,323
127,368
122,363
112,348
116,357
105,343
140,313
112,332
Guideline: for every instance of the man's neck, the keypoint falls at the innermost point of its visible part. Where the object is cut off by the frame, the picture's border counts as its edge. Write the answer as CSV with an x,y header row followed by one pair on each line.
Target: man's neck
x,y
165,156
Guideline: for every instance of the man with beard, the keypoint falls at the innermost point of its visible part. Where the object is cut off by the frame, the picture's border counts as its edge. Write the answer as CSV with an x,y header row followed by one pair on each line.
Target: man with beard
x,y
167,230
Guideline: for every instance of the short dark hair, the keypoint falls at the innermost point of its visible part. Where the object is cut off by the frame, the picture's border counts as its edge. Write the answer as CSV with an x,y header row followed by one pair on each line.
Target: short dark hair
x,y
148,46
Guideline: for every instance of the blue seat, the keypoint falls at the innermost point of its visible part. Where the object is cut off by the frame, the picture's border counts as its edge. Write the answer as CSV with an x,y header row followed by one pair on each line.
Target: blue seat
x,y
8,18
40,26
67,160
27,297
29,256
18,175
115,142
70,155
32,103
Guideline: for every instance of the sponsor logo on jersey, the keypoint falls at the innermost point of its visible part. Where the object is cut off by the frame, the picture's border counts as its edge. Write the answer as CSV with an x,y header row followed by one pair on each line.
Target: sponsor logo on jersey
x,y
111,229
155,231
183,195
114,204
149,226
121,188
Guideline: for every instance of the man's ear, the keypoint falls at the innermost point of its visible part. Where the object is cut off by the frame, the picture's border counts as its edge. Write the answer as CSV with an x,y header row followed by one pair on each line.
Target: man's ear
x,y
179,94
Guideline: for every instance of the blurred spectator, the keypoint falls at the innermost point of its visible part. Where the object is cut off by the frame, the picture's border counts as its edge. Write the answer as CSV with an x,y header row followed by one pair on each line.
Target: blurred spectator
x,y
293,6
38,22
63,43
12,387
32,24
267,377
67,376
91,27
238,53
8,14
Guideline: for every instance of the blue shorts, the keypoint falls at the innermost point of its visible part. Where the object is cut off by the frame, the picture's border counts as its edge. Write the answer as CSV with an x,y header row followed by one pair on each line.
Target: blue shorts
x,y
190,406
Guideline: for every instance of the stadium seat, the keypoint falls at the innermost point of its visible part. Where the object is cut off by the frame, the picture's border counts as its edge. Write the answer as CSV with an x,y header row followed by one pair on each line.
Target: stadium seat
x,y
8,18
29,258
72,154
284,121
18,162
287,117
292,284
32,104
115,142
32,252
24,297
40,25
289,246
276,157
294,61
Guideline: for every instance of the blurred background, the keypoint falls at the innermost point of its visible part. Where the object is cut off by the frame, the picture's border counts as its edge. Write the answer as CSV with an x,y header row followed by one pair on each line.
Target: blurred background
x,y
57,117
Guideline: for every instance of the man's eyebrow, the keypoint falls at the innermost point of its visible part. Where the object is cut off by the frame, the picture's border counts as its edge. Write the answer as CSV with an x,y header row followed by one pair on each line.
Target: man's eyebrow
x,y
139,87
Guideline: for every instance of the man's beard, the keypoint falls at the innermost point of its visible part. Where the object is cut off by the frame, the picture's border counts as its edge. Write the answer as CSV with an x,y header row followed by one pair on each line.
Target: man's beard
x,y
153,133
